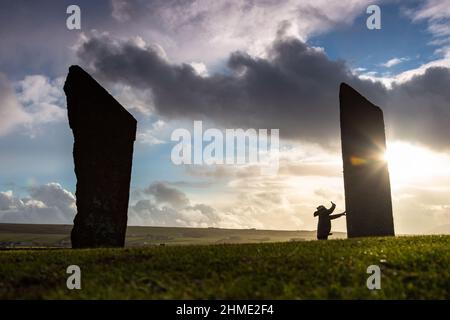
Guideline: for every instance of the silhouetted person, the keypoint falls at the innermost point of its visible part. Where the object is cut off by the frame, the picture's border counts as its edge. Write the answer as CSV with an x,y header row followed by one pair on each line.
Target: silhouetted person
x,y
325,217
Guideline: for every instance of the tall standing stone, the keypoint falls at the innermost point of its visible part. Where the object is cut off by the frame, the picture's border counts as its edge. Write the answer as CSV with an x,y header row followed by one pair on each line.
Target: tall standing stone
x,y
366,176
104,133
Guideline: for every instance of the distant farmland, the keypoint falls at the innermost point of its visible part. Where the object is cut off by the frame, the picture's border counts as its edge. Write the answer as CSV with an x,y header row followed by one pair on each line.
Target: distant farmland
x,y
35,235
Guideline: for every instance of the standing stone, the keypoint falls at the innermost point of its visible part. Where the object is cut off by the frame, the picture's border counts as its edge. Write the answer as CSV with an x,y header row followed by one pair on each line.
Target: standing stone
x,y
366,176
104,133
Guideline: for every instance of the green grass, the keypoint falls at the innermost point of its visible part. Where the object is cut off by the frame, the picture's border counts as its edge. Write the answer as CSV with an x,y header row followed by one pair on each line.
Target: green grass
x,y
412,268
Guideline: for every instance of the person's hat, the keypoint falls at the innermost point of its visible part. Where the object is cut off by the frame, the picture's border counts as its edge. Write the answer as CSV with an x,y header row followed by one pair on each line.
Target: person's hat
x,y
319,208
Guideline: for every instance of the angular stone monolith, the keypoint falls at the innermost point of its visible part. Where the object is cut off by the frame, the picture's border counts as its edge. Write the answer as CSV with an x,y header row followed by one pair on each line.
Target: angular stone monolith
x,y
366,176
104,134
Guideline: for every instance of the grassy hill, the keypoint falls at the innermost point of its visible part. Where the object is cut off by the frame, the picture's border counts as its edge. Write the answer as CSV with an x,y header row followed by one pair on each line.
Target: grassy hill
x,y
35,235
412,268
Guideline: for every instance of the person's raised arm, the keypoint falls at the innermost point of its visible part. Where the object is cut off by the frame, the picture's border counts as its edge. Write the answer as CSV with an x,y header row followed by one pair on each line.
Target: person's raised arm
x,y
333,206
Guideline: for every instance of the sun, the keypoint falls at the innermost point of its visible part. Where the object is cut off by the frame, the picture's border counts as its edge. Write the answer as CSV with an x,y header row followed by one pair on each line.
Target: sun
x,y
409,164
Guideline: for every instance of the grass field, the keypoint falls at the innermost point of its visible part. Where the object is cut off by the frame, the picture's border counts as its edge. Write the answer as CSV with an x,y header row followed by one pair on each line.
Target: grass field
x,y
412,268
35,235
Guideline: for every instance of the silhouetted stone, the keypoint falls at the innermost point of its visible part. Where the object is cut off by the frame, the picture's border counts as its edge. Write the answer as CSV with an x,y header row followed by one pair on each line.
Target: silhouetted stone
x,y
366,176
104,133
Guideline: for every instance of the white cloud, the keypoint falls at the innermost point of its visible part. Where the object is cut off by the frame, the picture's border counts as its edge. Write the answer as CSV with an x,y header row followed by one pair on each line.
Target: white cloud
x,y
359,70
409,74
36,100
433,10
42,98
393,62
11,112
205,30
437,14
45,204
154,135
131,98
200,68
7,200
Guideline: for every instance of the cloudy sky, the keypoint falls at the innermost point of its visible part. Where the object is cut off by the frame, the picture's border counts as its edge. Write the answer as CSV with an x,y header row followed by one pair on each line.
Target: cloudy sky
x,y
232,64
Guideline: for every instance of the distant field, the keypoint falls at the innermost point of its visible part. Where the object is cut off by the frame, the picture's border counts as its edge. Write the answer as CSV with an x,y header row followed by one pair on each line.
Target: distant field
x,y
412,268
35,235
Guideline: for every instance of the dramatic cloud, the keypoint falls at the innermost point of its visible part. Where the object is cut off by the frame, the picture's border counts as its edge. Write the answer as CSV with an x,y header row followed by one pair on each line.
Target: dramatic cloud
x,y
423,102
240,63
164,205
49,203
210,30
294,89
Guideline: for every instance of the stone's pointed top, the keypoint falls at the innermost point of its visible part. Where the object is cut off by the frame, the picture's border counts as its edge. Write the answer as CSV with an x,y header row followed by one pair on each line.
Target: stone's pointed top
x,y
76,68
346,89
78,74
354,98
81,87
345,86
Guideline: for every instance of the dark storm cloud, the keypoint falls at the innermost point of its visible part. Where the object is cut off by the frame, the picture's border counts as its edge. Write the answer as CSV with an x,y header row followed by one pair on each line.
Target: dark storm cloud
x,y
420,108
295,88
164,194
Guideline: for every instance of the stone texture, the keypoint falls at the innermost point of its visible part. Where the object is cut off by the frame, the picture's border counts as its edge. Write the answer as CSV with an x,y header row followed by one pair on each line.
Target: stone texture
x,y
366,176
104,134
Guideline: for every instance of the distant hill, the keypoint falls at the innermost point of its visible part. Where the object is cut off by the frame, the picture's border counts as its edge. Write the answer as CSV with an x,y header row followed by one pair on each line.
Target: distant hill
x,y
44,235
